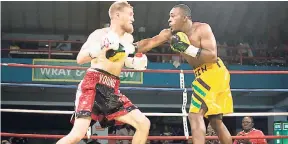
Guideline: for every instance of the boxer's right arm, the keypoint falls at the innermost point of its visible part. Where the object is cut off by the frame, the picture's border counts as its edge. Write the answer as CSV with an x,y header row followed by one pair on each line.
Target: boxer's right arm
x,y
91,48
146,45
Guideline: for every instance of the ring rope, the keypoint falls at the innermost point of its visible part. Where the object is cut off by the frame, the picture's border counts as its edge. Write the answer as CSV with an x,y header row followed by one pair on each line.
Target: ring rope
x,y
147,114
182,86
132,70
137,88
130,137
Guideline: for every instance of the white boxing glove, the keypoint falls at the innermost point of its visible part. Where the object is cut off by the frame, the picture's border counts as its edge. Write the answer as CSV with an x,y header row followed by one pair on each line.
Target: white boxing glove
x,y
129,48
138,62
111,40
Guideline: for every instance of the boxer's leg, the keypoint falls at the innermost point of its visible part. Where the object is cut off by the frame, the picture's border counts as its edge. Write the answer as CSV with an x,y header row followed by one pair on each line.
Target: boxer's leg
x,y
211,98
140,122
202,102
84,103
221,130
120,108
78,131
198,126
225,102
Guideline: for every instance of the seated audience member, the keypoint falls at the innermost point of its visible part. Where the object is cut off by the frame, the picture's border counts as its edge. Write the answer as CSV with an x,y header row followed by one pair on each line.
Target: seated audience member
x,y
5,142
64,46
123,130
154,131
249,130
166,132
211,132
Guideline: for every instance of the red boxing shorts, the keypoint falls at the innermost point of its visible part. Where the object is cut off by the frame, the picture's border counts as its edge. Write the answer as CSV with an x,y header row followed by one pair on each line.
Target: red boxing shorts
x,y
98,97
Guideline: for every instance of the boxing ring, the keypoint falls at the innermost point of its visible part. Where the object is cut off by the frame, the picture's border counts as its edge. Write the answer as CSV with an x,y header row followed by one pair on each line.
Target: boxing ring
x,y
181,89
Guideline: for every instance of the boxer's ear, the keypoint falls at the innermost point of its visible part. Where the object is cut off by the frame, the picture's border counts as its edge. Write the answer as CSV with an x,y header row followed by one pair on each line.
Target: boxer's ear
x,y
185,18
117,15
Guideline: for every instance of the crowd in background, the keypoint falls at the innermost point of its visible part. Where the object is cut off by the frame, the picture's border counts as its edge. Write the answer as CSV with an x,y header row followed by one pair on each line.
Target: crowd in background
x,y
232,52
258,54
159,127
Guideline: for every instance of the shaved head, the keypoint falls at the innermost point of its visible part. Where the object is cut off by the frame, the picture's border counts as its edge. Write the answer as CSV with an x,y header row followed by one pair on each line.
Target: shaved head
x,y
185,9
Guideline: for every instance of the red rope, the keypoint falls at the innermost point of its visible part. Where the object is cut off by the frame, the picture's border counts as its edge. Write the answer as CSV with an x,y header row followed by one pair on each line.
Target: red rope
x,y
148,54
132,70
58,51
130,137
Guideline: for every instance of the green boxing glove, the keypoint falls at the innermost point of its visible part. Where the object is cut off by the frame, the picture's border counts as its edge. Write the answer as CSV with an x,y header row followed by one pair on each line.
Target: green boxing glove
x,y
180,43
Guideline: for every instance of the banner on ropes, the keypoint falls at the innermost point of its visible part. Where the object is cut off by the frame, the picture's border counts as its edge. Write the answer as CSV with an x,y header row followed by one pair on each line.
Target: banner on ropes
x,y
66,75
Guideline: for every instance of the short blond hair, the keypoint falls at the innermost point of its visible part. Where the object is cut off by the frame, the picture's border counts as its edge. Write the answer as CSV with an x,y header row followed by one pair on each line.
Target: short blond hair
x,y
118,6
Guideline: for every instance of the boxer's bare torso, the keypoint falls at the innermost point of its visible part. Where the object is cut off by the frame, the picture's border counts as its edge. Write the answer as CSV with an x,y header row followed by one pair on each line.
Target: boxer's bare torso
x,y
195,40
101,62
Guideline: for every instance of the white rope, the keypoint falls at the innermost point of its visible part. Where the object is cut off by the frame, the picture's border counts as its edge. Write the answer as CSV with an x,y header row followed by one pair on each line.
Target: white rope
x,y
182,86
147,114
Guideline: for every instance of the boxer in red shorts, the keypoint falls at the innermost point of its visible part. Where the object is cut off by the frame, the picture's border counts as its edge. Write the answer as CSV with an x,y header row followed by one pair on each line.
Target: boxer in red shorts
x,y
98,97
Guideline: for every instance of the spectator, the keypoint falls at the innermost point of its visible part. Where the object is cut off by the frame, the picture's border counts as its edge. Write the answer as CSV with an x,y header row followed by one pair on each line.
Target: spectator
x,y
131,130
166,132
14,46
124,130
154,131
222,51
249,130
176,61
64,46
14,140
211,132
91,141
5,142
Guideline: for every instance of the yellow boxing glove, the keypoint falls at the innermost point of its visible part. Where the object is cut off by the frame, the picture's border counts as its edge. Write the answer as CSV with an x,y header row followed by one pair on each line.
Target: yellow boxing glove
x,y
123,50
111,40
181,43
116,55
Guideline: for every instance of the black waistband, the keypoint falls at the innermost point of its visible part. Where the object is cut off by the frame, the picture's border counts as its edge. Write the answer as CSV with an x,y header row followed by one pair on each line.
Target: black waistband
x,y
107,73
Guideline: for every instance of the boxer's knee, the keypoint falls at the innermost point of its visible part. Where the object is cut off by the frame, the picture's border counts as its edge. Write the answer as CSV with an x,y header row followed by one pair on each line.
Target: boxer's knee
x,y
136,119
196,121
79,129
75,137
140,121
195,117
143,124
